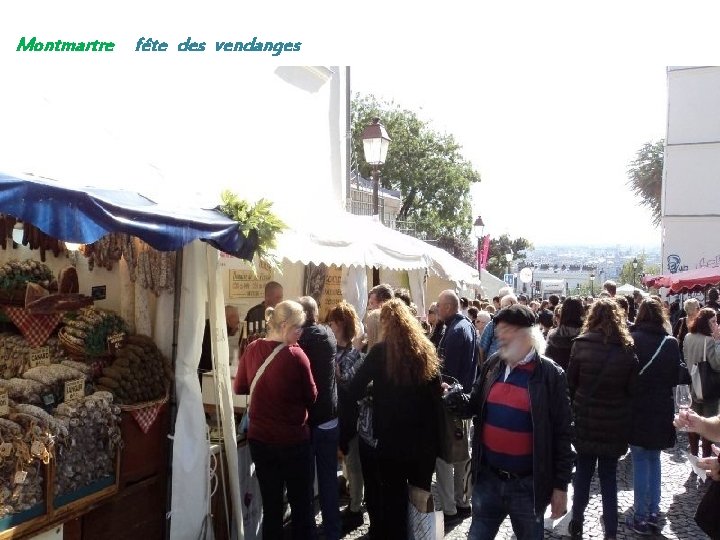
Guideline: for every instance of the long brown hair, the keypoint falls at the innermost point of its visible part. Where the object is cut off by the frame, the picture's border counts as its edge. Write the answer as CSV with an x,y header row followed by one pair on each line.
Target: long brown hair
x,y
607,318
410,356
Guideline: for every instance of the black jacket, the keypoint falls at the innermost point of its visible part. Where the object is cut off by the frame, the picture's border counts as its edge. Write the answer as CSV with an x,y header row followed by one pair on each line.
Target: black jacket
x,y
405,418
653,401
550,409
601,377
559,343
319,345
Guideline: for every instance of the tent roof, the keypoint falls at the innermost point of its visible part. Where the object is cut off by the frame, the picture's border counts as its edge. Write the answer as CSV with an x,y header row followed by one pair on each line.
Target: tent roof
x,y
341,238
85,214
630,289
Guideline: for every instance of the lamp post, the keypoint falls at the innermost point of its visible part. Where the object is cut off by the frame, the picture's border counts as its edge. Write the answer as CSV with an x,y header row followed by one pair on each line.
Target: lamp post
x,y
634,265
375,145
479,229
578,289
592,284
508,259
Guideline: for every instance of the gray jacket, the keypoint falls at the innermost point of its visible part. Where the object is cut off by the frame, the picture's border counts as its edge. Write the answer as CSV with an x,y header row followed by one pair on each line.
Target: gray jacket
x,y
693,346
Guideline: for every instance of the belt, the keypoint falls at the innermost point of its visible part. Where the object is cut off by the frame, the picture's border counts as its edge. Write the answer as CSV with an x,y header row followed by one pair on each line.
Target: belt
x,y
506,475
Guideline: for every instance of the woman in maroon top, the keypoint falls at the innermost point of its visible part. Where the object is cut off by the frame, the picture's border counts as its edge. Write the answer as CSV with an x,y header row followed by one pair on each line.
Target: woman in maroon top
x,y
278,433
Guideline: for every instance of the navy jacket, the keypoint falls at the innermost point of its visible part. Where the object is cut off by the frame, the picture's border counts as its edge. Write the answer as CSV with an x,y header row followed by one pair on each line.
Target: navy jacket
x,y
457,350
653,401
320,346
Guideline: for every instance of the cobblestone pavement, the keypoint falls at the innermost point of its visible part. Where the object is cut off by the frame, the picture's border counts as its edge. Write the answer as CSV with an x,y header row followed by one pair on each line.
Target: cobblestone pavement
x,y
681,494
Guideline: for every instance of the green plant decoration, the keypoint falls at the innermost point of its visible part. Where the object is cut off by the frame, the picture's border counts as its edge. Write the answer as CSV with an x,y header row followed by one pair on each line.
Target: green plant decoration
x,y
255,217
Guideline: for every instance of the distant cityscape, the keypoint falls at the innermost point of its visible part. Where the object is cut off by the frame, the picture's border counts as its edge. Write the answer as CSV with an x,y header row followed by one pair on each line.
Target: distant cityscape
x,y
581,266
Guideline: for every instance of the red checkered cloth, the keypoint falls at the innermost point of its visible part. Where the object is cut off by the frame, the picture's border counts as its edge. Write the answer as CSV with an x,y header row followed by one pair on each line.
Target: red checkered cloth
x,y
35,328
146,416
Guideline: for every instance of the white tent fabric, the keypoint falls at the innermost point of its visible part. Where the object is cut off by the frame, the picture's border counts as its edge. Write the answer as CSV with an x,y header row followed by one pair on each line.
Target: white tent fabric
x,y
221,374
191,451
355,287
344,239
628,289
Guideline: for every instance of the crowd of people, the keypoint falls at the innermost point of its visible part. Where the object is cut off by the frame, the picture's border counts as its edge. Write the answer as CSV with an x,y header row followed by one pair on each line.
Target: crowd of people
x,y
542,394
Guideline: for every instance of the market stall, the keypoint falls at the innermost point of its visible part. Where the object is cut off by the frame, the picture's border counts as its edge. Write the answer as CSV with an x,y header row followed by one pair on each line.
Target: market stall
x,y
95,343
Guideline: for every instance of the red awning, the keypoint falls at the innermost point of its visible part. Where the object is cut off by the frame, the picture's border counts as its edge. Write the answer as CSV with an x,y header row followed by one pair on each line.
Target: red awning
x,y
689,280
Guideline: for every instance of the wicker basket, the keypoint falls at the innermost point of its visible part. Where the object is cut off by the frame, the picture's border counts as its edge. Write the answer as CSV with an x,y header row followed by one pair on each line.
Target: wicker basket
x,y
76,350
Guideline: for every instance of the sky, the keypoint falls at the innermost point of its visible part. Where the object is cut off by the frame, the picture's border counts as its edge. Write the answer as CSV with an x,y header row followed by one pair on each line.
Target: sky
x,y
550,100
551,142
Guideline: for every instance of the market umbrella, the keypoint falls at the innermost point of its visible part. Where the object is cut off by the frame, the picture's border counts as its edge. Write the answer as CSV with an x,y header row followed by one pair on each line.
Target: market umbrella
x,y
689,280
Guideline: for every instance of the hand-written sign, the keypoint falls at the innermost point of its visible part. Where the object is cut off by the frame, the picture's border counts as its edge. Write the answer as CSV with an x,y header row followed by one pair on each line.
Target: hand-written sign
x,y
115,342
332,293
40,356
20,477
245,284
4,405
74,390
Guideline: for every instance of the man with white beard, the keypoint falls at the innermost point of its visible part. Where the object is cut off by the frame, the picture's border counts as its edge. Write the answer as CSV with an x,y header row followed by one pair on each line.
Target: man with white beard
x,y
521,453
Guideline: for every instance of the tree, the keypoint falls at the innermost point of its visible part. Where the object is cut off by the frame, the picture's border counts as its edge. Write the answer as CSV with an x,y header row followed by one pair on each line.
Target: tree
x,y
499,247
428,169
626,274
645,176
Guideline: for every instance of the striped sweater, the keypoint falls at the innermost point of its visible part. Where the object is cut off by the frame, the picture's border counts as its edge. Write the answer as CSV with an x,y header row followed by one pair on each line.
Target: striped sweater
x,y
507,431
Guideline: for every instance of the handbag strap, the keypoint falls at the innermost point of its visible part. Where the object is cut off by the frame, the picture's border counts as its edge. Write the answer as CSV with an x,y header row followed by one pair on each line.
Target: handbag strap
x,y
654,356
262,369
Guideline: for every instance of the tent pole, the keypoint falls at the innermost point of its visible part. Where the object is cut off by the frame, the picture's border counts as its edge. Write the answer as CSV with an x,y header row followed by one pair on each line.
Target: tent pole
x,y
173,398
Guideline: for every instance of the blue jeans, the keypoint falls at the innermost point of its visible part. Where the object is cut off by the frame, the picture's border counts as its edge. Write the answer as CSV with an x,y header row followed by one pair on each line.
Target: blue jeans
x,y
494,499
607,471
325,446
646,481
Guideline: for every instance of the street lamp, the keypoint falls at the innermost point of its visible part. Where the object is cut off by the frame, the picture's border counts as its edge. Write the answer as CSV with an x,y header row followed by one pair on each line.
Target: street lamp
x,y
592,284
634,265
509,258
578,289
375,145
479,229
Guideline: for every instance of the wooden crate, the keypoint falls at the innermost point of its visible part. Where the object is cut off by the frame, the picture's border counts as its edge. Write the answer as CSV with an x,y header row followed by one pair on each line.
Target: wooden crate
x,y
144,454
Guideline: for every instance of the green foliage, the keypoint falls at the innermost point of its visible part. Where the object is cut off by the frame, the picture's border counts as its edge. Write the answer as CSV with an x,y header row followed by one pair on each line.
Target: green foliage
x,y
645,176
462,248
626,274
255,217
425,165
499,247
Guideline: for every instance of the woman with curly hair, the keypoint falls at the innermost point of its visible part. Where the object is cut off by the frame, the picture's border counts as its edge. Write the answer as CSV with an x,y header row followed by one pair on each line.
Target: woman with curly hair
x,y
405,372
601,378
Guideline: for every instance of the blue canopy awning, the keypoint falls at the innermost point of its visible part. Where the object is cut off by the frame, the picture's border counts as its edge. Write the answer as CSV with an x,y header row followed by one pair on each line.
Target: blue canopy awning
x,y
84,215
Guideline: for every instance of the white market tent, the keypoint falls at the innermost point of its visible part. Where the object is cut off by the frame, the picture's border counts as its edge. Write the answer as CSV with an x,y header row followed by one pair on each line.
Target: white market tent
x,y
628,289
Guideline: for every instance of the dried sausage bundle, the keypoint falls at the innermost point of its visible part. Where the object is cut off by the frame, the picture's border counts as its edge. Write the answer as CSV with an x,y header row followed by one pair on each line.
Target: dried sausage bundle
x,y
87,453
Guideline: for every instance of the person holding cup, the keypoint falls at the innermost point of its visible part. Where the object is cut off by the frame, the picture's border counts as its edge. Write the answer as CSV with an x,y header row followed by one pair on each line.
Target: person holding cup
x,y
702,344
708,429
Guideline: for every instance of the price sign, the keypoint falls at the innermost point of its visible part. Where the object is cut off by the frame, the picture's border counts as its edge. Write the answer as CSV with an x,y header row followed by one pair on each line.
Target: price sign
x,y
115,342
74,390
37,449
6,449
4,405
20,477
40,356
